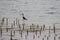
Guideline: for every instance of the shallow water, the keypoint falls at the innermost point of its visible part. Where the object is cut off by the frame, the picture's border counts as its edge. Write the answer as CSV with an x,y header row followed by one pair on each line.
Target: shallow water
x,y
36,11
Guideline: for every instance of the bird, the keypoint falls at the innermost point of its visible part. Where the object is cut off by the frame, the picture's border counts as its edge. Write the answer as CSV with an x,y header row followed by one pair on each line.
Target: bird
x,y
24,18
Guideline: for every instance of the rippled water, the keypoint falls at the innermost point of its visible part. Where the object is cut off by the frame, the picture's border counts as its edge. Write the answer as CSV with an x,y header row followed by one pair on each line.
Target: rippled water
x,y
36,11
